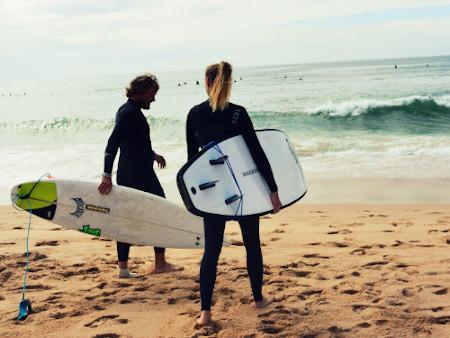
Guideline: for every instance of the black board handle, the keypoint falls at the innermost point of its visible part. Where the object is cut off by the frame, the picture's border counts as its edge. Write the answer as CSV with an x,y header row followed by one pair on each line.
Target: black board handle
x,y
207,185
220,160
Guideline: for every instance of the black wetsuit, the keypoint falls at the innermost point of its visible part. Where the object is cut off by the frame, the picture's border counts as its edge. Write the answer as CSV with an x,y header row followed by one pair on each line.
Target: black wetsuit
x,y
135,169
202,127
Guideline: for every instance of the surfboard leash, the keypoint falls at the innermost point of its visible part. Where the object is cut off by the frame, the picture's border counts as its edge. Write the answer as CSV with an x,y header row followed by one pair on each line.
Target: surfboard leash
x,y
25,304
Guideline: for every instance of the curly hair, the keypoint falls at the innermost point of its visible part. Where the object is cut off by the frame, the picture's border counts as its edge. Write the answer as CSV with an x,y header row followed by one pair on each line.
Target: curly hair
x,y
141,84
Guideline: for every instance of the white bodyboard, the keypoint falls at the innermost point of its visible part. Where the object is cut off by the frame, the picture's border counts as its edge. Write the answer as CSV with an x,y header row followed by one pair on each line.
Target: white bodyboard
x,y
235,188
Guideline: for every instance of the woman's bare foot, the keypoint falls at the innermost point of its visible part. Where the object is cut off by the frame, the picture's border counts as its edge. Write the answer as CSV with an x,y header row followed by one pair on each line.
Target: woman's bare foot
x,y
166,267
204,319
263,303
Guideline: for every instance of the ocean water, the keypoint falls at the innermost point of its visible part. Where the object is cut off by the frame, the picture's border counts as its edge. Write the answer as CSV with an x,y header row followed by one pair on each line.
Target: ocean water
x,y
346,119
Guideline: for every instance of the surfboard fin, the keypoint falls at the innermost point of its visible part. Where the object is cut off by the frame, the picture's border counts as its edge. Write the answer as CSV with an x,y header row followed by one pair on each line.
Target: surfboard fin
x,y
207,185
220,160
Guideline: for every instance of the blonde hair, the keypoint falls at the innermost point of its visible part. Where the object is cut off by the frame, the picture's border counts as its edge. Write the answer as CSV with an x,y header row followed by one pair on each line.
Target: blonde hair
x,y
141,84
218,77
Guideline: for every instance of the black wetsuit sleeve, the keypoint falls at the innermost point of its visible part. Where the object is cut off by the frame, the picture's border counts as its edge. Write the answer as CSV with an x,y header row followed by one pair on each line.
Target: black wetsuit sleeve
x,y
192,145
248,132
114,142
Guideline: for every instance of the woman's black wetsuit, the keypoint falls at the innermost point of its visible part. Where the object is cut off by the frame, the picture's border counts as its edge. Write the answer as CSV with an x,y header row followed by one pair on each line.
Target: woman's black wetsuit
x,y
135,169
202,127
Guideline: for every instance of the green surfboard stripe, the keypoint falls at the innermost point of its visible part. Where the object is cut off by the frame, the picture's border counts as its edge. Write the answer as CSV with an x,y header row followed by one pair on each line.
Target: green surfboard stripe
x,y
43,195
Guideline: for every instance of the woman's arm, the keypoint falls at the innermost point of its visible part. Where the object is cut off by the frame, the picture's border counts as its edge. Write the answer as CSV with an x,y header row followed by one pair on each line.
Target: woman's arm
x,y
248,132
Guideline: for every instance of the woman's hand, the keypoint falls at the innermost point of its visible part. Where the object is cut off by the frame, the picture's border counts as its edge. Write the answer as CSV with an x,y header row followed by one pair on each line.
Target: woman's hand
x,y
276,203
105,186
160,160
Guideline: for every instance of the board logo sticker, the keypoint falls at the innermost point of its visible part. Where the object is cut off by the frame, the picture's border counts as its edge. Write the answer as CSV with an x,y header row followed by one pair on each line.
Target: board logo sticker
x,y
87,230
250,172
80,207
235,118
96,208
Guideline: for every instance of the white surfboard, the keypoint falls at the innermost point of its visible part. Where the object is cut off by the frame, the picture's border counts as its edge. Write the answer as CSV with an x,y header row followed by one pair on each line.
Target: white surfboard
x,y
223,178
125,214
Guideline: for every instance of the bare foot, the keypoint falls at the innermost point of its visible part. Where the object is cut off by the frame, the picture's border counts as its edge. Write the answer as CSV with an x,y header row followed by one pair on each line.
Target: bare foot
x,y
204,319
263,303
167,267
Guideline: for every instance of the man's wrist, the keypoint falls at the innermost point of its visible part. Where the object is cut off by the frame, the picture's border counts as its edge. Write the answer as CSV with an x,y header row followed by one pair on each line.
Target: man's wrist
x,y
105,174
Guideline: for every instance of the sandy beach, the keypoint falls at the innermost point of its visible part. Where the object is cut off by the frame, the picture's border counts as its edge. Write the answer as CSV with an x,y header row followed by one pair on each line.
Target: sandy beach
x,y
334,270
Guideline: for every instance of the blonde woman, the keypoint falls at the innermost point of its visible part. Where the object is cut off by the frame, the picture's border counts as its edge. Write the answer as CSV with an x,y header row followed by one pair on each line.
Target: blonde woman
x,y
214,120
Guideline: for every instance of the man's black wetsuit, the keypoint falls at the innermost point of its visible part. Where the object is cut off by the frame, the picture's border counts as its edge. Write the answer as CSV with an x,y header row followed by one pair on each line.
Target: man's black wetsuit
x,y
202,127
135,169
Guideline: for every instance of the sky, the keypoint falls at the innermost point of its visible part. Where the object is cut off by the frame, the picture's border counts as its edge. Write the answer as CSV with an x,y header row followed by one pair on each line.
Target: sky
x,y
58,38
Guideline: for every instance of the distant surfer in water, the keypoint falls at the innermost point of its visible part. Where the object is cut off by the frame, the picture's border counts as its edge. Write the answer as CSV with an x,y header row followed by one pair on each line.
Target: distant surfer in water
x,y
214,120
135,169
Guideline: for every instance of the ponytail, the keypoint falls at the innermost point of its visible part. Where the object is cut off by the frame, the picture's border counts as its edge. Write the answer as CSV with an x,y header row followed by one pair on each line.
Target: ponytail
x,y
219,81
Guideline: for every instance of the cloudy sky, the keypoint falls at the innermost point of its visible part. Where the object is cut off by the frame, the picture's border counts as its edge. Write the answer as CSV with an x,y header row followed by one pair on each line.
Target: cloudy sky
x,y
66,37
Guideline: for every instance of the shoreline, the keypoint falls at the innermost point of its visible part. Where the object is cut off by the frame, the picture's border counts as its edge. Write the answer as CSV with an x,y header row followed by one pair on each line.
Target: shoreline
x,y
349,190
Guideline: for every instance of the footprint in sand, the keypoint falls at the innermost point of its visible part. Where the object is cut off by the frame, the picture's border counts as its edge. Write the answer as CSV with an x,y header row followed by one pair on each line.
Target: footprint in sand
x,y
338,244
106,335
47,243
302,295
342,232
315,256
295,273
7,243
270,328
375,264
440,292
363,325
440,320
100,320
358,252
278,231
58,315
359,307
141,288
98,308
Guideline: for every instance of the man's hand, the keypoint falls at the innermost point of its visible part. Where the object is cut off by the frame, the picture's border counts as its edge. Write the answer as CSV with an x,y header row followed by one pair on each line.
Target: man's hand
x,y
276,203
160,160
105,187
